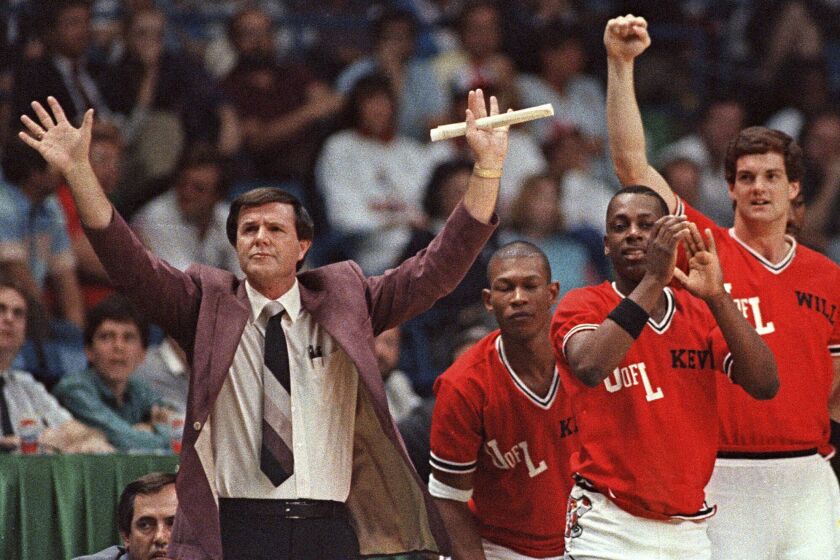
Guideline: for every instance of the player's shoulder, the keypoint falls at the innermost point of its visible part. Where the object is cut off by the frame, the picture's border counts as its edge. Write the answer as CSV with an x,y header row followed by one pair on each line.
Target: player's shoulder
x,y
474,363
589,295
813,259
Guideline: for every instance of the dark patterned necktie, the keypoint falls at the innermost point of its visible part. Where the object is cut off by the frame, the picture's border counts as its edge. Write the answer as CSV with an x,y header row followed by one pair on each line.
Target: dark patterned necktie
x,y
276,459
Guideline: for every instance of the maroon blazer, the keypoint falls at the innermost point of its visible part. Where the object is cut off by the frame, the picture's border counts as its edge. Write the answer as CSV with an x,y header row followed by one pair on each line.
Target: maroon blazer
x,y
206,309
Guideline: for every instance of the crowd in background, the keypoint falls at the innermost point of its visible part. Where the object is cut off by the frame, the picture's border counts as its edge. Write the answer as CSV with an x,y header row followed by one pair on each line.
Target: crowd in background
x,y
199,101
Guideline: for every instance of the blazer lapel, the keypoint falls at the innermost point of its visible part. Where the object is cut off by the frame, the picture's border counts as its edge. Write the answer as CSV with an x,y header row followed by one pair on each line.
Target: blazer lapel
x,y
230,316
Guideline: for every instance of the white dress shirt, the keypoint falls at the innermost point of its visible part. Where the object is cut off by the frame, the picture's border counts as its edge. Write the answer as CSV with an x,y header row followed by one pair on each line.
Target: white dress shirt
x,y
323,408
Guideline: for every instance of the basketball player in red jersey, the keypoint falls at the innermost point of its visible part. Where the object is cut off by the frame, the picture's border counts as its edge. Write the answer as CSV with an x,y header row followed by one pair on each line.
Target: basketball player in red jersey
x,y
776,493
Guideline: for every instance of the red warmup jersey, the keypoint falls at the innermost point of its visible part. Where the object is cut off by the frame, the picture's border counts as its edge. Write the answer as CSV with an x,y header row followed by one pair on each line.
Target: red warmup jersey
x,y
795,306
648,432
516,444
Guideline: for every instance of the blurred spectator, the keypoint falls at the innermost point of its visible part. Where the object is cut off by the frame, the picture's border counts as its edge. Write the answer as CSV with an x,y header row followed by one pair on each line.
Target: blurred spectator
x,y
33,239
583,196
435,20
166,371
63,71
372,179
683,175
720,121
22,397
281,106
427,338
249,33
478,59
145,516
804,102
106,158
796,216
536,217
167,102
186,224
524,155
107,395
422,99
578,98
821,183
401,396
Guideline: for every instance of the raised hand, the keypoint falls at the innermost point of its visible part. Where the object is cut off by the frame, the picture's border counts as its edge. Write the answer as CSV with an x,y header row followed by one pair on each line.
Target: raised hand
x,y
59,142
626,37
705,277
489,145
662,247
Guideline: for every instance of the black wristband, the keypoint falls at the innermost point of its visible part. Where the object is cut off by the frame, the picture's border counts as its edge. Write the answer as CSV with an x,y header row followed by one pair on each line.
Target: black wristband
x,y
630,316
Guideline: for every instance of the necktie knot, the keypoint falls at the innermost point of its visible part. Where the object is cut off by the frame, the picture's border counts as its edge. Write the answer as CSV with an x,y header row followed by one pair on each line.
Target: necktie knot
x,y
271,309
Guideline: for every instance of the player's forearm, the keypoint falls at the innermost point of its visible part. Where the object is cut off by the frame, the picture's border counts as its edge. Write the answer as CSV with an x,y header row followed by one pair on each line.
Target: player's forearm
x,y
753,365
463,532
627,133
94,208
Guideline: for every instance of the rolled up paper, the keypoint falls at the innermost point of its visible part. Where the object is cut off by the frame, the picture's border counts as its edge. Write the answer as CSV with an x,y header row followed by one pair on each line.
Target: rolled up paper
x,y
453,130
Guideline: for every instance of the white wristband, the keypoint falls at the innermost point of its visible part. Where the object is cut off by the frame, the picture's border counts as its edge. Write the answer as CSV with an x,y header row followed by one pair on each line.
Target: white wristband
x,y
440,490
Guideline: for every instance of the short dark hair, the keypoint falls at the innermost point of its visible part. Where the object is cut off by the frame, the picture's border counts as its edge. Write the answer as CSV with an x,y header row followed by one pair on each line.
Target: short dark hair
x,y
304,226
151,483
116,308
519,249
20,162
441,174
642,190
202,154
364,89
762,140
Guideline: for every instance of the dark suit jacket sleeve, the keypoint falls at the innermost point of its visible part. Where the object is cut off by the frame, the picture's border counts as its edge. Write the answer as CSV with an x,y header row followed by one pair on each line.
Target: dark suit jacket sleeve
x,y
415,285
168,297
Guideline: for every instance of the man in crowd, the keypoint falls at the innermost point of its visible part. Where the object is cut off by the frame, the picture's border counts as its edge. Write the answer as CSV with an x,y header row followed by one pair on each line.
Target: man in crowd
x,y
639,361
22,397
776,495
502,429
145,515
107,395
282,365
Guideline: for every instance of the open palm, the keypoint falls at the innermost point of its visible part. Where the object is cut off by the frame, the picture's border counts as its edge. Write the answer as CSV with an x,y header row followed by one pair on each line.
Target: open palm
x,y
489,145
59,142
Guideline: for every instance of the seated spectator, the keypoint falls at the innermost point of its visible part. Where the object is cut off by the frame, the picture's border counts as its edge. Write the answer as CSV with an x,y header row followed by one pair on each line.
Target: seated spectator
x,y
584,197
63,71
166,371
478,58
821,182
536,217
145,515
22,397
186,224
524,155
166,102
398,388
281,105
108,395
422,99
720,122
106,158
371,179
427,338
435,19
35,252
248,33
578,98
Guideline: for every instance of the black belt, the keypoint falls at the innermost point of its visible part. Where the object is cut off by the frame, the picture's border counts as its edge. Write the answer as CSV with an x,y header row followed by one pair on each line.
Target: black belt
x,y
287,509
766,454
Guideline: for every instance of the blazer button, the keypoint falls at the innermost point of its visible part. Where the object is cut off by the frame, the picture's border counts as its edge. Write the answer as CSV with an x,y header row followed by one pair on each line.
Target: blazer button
x,y
197,426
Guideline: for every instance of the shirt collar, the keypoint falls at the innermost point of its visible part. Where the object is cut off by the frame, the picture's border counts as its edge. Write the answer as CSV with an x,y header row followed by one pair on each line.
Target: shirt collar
x,y
290,301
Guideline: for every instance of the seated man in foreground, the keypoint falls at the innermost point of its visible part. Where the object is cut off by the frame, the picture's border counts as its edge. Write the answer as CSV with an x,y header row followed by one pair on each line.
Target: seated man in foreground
x,y
145,516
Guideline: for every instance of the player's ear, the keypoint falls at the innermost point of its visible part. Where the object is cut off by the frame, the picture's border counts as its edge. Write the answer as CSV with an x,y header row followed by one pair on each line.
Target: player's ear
x,y
554,289
606,247
793,189
485,297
